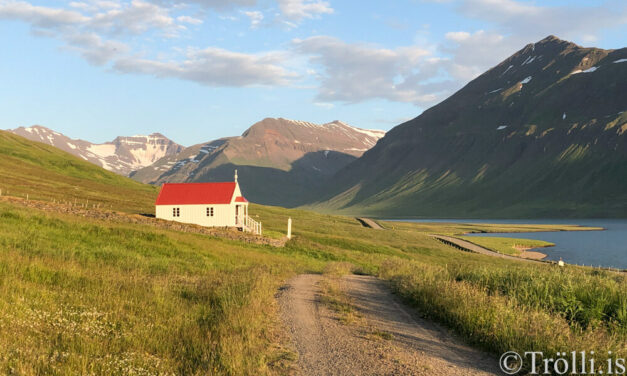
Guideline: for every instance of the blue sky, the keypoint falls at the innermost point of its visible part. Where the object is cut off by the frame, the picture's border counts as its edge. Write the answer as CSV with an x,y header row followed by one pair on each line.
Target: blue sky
x,y
196,70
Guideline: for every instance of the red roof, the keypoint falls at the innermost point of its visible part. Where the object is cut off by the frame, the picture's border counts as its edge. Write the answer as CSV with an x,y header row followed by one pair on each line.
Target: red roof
x,y
195,193
240,199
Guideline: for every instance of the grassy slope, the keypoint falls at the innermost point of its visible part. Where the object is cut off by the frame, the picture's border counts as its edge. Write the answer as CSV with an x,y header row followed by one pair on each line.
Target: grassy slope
x,y
45,172
93,296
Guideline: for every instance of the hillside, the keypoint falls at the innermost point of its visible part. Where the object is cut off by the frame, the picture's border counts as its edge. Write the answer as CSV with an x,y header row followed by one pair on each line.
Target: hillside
x,y
542,134
122,155
91,291
280,162
45,172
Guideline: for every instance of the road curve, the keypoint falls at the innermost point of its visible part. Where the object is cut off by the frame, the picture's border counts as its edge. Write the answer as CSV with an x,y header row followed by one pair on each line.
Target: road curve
x,y
388,339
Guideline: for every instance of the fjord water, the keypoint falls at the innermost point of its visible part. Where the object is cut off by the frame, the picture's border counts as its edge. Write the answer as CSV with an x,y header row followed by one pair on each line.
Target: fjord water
x,y
606,248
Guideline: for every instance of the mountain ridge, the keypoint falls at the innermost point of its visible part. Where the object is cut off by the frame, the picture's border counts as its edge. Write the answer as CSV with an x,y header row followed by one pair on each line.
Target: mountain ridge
x,y
122,155
539,134
281,161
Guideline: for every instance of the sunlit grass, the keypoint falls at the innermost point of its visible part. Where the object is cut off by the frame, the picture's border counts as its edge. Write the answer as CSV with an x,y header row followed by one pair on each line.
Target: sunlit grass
x,y
508,246
95,296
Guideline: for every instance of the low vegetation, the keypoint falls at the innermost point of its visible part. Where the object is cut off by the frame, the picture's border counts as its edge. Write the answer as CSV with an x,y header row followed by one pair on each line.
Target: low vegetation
x,y
91,297
94,295
524,308
508,246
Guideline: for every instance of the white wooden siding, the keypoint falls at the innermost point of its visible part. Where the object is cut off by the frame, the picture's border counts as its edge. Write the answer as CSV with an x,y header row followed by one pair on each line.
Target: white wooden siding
x,y
223,215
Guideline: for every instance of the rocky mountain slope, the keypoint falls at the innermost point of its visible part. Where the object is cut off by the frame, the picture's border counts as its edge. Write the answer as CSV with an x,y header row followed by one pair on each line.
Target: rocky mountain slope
x,y
280,162
122,155
544,133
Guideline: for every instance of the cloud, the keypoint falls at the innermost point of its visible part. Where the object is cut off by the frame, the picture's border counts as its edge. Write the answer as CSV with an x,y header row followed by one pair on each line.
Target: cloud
x,y
325,105
534,22
215,67
135,18
471,54
119,34
104,17
94,49
94,30
255,18
357,72
89,28
189,20
41,17
217,5
297,10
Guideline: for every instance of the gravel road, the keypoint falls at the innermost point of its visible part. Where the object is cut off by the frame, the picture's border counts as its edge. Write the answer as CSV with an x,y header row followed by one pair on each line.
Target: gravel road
x,y
388,339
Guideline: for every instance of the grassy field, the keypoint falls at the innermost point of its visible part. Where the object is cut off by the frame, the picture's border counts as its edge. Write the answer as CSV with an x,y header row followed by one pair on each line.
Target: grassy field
x,y
90,296
508,246
93,296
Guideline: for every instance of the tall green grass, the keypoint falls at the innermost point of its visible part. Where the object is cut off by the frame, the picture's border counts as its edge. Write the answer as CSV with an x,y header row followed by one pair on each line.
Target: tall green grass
x,y
89,297
519,309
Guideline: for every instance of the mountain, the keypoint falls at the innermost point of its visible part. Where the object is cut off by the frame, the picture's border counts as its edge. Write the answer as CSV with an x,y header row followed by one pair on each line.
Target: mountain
x,y
44,172
542,134
280,162
122,155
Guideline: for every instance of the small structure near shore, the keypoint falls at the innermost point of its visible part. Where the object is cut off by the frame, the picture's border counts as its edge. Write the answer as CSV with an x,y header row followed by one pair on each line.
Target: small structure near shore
x,y
206,204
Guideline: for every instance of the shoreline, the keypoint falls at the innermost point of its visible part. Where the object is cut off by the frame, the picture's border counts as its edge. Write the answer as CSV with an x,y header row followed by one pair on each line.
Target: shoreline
x,y
529,253
551,227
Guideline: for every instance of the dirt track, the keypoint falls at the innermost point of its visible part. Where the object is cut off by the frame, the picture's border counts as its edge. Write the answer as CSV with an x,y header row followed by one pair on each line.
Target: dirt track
x,y
367,222
388,339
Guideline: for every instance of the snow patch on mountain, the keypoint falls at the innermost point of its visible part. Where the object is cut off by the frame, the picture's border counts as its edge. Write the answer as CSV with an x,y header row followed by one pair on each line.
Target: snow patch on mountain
x,y
589,70
529,60
122,155
374,133
103,150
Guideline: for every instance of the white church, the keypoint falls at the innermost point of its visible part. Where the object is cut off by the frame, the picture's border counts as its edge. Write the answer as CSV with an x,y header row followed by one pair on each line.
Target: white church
x,y
206,204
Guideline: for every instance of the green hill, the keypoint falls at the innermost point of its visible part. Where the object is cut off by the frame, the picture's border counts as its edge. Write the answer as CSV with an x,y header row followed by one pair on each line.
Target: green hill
x,y
104,296
542,134
45,172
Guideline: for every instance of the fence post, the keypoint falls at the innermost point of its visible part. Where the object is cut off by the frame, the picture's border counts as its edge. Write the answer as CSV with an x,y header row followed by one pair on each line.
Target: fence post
x,y
289,228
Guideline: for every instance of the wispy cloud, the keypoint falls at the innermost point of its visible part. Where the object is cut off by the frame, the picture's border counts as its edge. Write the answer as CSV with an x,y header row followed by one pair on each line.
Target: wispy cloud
x,y
297,10
255,18
217,5
215,67
533,21
357,72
